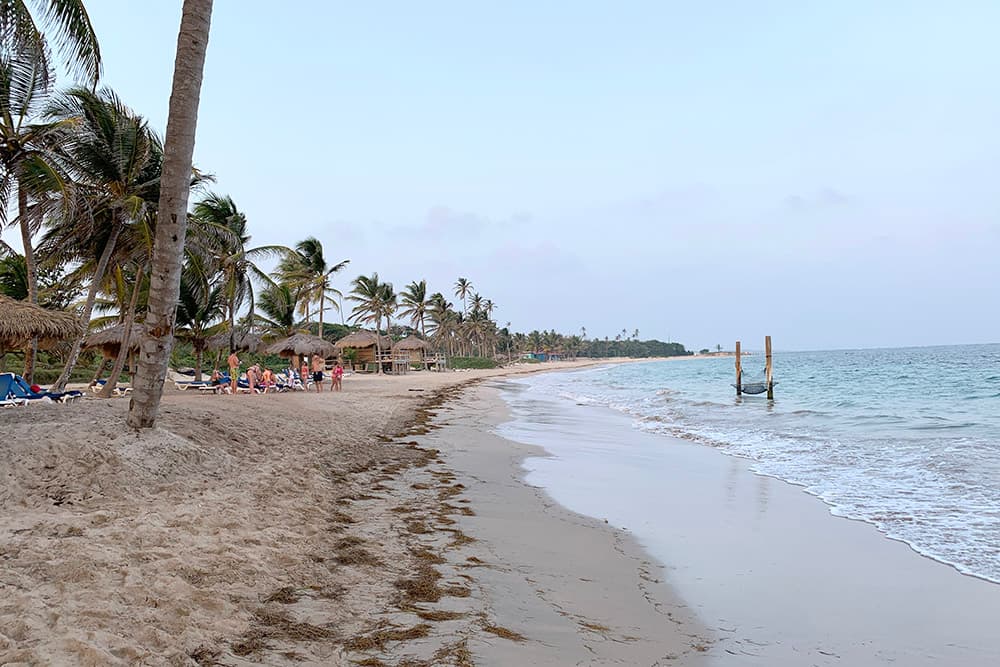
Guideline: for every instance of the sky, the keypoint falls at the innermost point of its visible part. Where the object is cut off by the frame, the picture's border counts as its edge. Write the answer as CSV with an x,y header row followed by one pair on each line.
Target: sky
x,y
825,173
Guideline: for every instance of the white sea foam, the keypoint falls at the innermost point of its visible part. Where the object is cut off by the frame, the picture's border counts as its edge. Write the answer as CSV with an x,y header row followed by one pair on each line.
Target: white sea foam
x,y
926,472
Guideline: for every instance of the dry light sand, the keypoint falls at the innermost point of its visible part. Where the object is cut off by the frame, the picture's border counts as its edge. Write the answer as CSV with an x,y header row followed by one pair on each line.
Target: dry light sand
x,y
335,529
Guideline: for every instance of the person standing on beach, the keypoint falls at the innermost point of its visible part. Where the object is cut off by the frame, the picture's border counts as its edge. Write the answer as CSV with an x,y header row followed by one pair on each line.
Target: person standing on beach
x,y
338,376
318,364
304,373
234,371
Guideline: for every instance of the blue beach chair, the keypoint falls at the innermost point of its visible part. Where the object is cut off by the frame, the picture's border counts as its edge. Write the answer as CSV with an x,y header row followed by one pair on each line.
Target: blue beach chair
x,y
7,399
19,388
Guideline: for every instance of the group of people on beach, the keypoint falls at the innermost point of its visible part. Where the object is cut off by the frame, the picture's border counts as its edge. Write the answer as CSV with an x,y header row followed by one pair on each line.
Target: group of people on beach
x,y
261,380
318,367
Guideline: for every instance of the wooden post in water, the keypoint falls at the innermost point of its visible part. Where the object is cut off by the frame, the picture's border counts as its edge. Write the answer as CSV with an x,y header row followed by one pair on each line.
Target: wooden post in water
x,y
739,371
767,368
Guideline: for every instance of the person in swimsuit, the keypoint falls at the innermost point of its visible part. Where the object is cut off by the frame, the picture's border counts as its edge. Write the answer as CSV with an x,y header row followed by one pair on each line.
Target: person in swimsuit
x,y
234,371
318,364
338,376
304,373
267,379
252,379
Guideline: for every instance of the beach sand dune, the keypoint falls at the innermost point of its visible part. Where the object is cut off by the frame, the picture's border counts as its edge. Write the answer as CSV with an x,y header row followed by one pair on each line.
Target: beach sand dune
x,y
289,529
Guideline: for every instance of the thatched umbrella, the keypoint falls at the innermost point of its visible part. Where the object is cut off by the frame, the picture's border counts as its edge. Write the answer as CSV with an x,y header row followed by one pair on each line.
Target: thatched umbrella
x,y
109,340
299,344
20,321
250,342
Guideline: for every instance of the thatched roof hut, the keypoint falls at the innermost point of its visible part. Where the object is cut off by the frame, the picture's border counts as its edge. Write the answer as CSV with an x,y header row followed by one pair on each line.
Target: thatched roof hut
x,y
244,341
299,344
411,343
109,340
20,321
415,348
363,342
362,339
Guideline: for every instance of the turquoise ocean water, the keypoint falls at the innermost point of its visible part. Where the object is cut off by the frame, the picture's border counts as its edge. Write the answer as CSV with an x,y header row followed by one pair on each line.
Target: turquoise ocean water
x,y
906,439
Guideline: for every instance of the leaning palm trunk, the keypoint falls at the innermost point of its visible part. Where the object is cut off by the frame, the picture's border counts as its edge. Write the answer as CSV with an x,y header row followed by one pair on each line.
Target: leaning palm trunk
x,y
171,218
100,370
30,271
123,353
88,308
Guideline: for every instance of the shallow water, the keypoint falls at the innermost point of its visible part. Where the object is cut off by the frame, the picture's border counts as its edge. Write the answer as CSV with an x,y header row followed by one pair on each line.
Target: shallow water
x,y
906,439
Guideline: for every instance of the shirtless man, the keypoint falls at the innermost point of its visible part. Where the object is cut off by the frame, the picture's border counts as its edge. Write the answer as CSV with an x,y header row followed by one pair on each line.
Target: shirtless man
x,y
318,364
234,371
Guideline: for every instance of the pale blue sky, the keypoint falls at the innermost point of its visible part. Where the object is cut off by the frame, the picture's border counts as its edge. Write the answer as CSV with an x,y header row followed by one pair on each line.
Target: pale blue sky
x,y
826,172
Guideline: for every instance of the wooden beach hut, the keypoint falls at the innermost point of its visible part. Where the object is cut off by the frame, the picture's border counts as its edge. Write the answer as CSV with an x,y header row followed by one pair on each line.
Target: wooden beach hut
x,y
21,321
364,345
414,348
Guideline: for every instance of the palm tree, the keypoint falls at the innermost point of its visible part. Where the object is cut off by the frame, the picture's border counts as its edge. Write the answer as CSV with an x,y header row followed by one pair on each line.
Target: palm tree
x,y
416,303
168,250
276,310
444,322
201,309
26,78
477,303
375,300
462,289
66,20
535,340
224,240
116,161
26,156
306,269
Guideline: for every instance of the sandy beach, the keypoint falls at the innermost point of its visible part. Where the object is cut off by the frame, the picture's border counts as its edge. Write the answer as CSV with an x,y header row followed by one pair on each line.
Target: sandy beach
x,y
302,529
391,524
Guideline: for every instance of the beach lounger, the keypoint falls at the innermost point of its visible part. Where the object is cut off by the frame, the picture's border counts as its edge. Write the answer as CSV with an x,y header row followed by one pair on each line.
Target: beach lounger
x,y
18,388
119,390
243,386
185,385
7,399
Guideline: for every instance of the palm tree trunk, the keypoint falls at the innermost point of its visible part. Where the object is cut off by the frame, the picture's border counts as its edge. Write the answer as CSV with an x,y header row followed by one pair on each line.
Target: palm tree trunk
x,y
171,226
32,273
321,304
100,370
109,387
232,327
88,308
198,353
378,346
